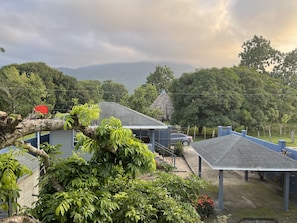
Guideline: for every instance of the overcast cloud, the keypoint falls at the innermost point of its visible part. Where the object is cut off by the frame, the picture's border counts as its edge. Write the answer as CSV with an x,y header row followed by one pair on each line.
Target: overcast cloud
x,y
203,33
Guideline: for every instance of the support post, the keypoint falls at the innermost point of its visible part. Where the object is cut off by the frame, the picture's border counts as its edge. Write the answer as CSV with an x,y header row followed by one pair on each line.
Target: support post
x,y
286,190
152,133
221,190
38,139
199,166
246,175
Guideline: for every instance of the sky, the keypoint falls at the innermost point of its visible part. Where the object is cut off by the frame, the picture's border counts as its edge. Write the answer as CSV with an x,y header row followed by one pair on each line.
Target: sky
x,y
202,33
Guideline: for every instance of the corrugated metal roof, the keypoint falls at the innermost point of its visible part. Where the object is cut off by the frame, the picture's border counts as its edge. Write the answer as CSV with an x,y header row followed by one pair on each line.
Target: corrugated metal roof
x,y
129,118
232,152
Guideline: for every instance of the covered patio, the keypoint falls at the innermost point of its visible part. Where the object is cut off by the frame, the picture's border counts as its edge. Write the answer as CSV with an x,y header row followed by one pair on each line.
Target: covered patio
x,y
237,153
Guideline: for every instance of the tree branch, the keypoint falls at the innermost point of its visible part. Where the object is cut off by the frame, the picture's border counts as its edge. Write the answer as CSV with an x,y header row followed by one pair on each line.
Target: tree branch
x,y
44,156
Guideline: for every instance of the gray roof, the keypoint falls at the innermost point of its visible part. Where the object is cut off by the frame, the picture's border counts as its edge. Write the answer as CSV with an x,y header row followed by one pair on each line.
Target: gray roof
x,y
129,118
232,152
28,160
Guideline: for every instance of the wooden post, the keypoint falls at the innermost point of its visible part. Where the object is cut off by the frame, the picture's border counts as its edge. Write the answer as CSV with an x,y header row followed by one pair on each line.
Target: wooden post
x,y
204,129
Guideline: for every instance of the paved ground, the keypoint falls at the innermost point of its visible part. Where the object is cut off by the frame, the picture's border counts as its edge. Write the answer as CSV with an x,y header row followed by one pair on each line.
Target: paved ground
x,y
242,199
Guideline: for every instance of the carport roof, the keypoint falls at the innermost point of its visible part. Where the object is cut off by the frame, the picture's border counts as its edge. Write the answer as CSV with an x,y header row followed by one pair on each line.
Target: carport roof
x,y
233,152
130,118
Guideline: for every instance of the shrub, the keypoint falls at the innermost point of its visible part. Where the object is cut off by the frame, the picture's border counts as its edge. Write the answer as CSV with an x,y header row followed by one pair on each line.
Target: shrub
x,y
178,149
204,205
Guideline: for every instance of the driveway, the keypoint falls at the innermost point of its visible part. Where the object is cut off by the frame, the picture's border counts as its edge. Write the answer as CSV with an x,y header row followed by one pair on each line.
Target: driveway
x,y
242,199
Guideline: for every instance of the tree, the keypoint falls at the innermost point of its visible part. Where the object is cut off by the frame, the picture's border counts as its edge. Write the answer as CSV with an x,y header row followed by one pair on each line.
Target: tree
x,y
21,92
2,49
259,55
141,100
286,70
91,91
62,89
161,78
257,98
208,97
237,96
106,188
113,92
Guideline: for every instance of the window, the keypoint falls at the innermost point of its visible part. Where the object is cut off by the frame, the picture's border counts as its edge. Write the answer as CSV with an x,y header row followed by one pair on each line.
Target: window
x,y
74,139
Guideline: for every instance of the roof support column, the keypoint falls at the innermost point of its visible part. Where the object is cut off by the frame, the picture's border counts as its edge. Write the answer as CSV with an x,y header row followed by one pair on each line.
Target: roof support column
x,y
286,190
199,166
221,189
152,134
246,175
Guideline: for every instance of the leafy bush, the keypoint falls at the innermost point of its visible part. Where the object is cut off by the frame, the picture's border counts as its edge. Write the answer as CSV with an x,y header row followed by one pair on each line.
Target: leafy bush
x,y
178,149
204,205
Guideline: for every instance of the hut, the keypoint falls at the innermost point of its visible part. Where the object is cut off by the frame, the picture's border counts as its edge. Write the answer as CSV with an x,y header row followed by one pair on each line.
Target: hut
x,y
164,104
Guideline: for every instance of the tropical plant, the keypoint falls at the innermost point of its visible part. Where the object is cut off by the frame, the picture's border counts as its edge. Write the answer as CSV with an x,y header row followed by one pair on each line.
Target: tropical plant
x,y
107,188
10,171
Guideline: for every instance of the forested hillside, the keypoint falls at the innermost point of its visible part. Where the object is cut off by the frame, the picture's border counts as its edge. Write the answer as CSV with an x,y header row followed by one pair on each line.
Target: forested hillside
x,y
131,75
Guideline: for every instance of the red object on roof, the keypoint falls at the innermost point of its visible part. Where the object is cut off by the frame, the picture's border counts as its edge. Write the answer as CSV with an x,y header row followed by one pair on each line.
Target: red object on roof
x,y
43,109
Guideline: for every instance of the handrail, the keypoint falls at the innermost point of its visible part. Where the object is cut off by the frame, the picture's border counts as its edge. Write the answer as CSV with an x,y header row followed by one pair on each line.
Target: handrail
x,y
165,149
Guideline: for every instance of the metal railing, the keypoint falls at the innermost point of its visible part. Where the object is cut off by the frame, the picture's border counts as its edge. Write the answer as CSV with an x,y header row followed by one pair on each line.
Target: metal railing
x,y
164,150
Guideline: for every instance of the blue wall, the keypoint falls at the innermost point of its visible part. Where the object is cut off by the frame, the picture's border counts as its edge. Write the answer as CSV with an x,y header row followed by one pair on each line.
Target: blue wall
x,y
43,139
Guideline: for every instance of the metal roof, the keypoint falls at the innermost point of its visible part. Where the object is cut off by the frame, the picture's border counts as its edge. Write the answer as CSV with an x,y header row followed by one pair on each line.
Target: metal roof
x,y
129,118
232,152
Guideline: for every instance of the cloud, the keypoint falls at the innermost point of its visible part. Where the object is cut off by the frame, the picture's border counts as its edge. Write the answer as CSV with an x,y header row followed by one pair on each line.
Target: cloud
x,y
204,33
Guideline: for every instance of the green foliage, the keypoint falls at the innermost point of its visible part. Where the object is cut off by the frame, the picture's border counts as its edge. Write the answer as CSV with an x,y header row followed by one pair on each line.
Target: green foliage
x,y
153,201
113,92
86,198
207,97
259,55
20,92
52,151
235,96
178,149
141,100
131,153
161,78
286,69
46,84
10,171
106,188
77,204
84,114
190,188
90,91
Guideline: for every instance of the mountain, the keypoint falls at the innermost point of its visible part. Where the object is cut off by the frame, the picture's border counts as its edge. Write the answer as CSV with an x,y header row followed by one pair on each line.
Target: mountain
x,y
131,75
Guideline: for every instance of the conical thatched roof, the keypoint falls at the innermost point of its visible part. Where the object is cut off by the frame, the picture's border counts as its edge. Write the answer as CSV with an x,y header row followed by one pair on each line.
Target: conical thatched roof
x,y
164,104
